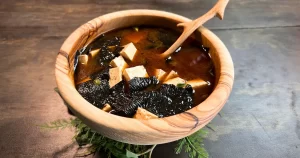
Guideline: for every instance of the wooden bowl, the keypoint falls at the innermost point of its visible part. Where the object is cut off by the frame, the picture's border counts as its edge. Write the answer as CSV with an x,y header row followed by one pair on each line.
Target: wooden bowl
x,y
129,130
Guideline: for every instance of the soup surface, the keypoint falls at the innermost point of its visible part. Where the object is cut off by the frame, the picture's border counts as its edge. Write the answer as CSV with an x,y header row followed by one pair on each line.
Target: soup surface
x,y
190,62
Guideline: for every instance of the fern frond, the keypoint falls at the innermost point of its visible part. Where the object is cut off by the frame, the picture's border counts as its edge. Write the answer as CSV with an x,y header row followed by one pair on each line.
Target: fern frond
x,y
58,124
179,147
85,136
193,145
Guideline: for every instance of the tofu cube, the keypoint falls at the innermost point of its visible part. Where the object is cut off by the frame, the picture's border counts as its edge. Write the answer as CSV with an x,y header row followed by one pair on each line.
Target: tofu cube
x,y
106,108
138,71
197,83
119,62
175,81
160,74
171,75
95,52
128,51
144,114
115,76
83,59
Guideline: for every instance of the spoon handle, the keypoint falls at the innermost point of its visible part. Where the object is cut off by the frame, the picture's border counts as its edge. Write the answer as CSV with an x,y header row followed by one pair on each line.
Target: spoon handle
x,y
190,27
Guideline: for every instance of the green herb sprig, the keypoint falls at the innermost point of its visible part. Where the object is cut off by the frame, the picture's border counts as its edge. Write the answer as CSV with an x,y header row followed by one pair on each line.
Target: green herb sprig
x,y
93,142
193,145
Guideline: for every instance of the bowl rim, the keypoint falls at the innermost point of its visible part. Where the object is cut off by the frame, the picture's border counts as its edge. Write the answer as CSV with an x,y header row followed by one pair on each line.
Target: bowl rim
x,y
186,122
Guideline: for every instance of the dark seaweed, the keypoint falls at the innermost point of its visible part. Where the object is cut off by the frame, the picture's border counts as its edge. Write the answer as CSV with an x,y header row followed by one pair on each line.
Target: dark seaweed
x,y
166,101
161,38
95,93
153,101
141,83
152,37
181,100
189,88
97,43
118,88
120,101
166,38
105,54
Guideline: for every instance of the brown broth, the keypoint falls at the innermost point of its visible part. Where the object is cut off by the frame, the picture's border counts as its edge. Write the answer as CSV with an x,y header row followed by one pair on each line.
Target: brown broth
x,y
191,62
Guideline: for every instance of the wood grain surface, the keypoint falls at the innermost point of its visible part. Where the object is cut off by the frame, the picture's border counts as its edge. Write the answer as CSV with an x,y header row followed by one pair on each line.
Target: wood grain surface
x,y
261,118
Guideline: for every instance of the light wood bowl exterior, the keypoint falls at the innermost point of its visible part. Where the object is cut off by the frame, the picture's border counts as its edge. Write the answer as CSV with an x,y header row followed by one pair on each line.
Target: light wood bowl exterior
x,y
129,130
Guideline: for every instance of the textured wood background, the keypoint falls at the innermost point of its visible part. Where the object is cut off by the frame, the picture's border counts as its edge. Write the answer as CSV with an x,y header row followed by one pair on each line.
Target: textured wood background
x,y
261,118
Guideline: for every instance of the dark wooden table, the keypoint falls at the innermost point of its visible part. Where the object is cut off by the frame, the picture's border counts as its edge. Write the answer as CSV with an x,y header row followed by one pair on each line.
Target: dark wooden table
x,y
261,118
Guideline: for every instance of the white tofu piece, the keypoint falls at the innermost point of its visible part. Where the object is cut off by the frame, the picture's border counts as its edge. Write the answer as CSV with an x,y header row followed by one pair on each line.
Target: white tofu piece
x,y
137,71
83,59
93,53
119,62
128,51
115,76
175,81
160,74
197,83
106,108
144,114
171,75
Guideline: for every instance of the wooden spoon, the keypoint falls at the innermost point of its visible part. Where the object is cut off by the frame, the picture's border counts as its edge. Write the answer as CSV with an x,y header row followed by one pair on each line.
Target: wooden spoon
x,y
190,27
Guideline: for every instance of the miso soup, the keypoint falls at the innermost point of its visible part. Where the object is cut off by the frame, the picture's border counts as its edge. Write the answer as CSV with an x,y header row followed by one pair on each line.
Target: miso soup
x,y
122,72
